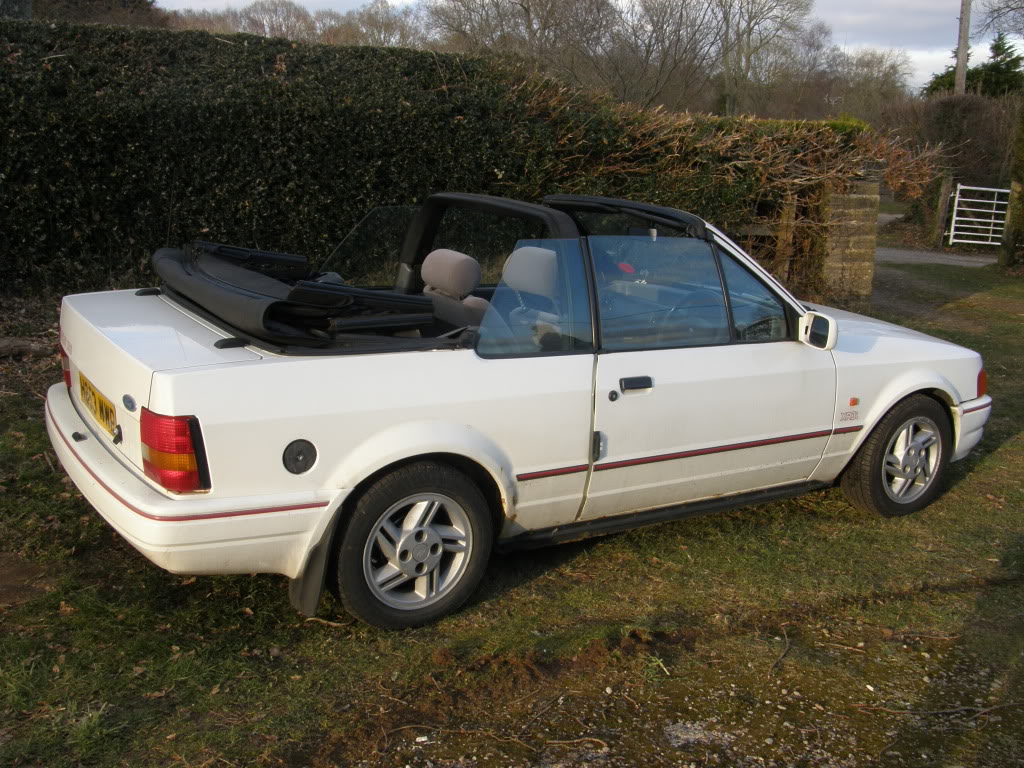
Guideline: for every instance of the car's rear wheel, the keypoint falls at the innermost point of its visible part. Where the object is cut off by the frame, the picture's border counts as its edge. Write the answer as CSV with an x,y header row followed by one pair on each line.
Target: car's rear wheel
x,y
415,547
900,467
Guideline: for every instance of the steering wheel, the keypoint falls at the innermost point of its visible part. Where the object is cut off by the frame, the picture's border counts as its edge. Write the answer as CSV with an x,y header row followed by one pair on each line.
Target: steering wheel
x,y
754,331
689,330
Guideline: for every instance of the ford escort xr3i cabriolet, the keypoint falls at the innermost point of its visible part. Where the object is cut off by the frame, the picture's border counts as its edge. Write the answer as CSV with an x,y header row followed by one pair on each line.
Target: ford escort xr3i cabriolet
x,y
531,373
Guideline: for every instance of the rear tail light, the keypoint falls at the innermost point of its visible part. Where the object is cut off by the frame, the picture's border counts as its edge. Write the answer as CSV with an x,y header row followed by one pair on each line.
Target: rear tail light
x,y
172,452
982,383
65,364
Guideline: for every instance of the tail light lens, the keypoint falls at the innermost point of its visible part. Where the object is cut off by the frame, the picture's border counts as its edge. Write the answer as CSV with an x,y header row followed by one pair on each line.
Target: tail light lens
x,y
982,383
65,364
172,452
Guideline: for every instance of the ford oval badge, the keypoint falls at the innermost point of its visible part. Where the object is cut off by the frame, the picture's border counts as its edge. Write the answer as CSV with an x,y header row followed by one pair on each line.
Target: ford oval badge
x,y
129,402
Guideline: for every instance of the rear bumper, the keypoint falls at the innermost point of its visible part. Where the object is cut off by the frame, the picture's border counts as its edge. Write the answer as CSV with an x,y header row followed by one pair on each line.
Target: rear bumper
x,y
194,534
972,415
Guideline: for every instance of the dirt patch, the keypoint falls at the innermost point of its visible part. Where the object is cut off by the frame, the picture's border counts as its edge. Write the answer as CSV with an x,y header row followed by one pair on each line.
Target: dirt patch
x,y
20,580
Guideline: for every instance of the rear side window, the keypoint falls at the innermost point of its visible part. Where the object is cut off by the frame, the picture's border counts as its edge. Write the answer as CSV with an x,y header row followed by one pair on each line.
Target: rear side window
x,y
658,292
757,313
541,304
487,237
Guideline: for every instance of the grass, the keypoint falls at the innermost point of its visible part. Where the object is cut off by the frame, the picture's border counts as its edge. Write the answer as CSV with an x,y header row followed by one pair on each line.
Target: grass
x,y
799,631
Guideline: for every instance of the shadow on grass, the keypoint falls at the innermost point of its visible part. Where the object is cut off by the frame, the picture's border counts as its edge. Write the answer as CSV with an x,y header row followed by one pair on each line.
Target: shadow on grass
x,y
980,684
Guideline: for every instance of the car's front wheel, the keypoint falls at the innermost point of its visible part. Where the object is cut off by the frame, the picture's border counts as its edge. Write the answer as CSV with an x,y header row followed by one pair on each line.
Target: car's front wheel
x,y
900,467
415,547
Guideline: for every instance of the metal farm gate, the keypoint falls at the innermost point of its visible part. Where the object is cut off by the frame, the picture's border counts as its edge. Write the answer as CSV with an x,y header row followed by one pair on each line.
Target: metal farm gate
x,y
979,215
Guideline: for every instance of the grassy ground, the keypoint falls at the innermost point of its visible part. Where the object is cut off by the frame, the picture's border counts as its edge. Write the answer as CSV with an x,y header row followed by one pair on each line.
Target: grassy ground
x,y
798,633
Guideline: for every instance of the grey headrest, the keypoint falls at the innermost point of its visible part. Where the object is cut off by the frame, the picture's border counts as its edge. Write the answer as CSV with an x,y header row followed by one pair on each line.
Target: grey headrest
x,y
532,270
450,273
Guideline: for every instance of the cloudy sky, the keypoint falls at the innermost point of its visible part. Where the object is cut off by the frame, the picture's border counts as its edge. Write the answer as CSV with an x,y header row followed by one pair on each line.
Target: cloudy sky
x,y
926,29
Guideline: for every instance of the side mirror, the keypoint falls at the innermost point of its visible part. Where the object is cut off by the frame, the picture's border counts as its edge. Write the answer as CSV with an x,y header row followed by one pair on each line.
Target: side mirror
x,y
818,330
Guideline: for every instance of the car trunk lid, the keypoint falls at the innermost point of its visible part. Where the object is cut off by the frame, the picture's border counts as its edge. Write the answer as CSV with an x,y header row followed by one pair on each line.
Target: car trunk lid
x,y
115,342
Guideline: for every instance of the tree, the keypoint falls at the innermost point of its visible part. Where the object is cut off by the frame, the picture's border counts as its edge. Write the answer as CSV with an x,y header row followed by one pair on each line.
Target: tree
x,y
276,18
1004,16
377,23
1003,73
16,9
216,22
750,30
648,52
644,51
528,28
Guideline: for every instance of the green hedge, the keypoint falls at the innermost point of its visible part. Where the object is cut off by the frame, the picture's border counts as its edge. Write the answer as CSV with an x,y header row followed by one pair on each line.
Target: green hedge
x,y
115,141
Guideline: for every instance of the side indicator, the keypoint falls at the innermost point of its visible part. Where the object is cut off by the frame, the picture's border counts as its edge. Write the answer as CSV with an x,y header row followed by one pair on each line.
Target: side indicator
x,y
982,383
65,363
854,401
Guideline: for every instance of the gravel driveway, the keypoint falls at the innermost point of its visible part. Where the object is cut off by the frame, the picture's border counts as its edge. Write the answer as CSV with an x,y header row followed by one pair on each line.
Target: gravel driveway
x,y
900,256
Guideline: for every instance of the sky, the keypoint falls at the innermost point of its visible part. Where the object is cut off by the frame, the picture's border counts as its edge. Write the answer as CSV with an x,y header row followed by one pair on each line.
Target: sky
x,y
926,29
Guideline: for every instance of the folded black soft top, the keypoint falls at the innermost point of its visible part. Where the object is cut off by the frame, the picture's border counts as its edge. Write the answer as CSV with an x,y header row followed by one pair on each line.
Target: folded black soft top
x,y
279,310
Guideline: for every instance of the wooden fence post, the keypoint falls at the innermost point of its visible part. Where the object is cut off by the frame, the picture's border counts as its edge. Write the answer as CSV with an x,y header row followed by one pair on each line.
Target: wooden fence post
x,y
1013,231
942,211
785,233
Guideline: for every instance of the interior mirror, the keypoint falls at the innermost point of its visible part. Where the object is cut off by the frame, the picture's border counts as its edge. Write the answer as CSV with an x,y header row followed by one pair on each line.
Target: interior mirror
x,y
818,330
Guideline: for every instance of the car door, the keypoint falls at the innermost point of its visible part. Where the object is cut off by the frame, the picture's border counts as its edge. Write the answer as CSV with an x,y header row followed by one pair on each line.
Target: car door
x,y
534,379
701,388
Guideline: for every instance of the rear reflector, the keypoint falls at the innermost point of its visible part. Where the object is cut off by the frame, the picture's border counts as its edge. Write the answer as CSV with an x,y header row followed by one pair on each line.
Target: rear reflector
x,y
172,452
65,364
982,383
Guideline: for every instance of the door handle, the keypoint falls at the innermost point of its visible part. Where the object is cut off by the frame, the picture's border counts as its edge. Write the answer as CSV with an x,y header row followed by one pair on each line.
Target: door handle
x,y
636,382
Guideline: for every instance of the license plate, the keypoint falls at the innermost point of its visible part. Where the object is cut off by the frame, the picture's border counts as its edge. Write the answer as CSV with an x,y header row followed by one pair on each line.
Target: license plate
x,y
101,408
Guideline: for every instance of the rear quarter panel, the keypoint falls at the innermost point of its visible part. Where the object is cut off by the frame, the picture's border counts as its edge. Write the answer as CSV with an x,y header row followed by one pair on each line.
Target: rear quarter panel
x,y
365,412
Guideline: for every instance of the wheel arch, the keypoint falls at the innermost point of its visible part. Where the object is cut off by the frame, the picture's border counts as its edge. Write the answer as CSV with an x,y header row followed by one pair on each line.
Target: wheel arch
x,y
949,405
935,391
476,472
305,590
916,381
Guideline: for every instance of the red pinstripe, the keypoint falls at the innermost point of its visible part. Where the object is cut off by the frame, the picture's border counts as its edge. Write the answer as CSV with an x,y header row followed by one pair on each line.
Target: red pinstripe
x,y
175,518
688,454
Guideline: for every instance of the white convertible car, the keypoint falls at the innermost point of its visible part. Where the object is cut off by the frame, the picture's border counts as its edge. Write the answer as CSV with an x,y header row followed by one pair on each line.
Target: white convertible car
x,y
535,374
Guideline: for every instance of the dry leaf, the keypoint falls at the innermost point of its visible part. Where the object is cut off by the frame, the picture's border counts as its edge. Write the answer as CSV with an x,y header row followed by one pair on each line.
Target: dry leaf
x,y
247,611
215,690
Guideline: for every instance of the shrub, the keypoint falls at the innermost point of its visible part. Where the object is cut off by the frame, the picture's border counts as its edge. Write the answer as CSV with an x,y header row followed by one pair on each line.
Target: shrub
x,y
118,141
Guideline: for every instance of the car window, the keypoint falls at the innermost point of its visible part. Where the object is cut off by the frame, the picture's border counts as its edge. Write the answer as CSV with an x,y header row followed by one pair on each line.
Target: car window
x,y
658,292
487,237
370,252
757,313
541,303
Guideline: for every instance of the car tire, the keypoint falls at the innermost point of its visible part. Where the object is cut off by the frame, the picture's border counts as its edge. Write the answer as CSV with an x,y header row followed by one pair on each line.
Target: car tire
x,y
901,466
414,548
